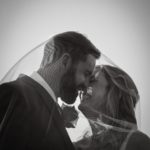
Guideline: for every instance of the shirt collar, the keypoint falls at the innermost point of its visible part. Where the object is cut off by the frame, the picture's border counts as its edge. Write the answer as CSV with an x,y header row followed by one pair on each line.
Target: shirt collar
x,y
38,78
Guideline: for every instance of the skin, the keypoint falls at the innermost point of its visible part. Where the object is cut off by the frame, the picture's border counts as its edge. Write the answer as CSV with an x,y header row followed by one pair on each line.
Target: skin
x,y
66,79
76,78
95,102
84,71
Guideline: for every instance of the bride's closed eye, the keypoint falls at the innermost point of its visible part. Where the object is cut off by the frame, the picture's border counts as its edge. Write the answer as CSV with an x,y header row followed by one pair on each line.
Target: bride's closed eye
x,y
92,79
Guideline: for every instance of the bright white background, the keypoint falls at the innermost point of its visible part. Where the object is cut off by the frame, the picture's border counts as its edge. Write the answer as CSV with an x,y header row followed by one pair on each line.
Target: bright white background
x,y
119,28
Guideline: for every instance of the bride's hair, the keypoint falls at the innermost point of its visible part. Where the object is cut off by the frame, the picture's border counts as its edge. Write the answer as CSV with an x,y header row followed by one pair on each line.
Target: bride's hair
x,y
122,94
112,125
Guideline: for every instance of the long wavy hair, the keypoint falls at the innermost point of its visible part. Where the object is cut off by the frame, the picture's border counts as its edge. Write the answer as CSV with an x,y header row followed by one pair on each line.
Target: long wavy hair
x,y
122,94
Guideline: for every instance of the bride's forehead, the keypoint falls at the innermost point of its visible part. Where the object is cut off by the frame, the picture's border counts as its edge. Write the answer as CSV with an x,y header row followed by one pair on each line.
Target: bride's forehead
x,y
98,72
100,77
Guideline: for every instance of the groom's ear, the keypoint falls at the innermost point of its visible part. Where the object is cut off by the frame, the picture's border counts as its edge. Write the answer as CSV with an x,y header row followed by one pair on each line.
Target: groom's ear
x,y
66,61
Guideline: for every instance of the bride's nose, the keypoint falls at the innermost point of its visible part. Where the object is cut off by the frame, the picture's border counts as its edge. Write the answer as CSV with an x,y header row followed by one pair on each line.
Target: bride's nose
x,y
87,82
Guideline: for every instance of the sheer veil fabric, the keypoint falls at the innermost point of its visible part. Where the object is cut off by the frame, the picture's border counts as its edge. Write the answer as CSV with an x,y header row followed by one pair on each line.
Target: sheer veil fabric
x,y
102,131
26,64
105,131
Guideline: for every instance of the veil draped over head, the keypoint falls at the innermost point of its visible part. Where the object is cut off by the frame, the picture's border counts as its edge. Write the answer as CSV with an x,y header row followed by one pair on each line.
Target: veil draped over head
x,y
108,130
112,125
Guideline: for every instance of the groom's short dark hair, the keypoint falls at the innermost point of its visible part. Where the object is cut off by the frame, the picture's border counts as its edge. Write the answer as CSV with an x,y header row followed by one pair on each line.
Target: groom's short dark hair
x,y
74,43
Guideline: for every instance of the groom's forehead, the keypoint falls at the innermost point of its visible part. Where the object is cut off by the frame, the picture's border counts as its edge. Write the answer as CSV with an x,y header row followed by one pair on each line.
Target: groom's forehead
x,y
89,63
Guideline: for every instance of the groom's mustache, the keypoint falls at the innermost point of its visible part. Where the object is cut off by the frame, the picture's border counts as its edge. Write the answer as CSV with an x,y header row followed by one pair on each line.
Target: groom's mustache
x,y
76,88
81,88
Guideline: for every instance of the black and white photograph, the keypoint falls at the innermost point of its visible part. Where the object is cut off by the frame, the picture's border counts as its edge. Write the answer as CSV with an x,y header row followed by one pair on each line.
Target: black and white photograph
x,y
74,74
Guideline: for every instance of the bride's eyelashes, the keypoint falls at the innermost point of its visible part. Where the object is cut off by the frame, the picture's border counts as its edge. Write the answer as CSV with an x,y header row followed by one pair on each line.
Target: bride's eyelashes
x,y
92,79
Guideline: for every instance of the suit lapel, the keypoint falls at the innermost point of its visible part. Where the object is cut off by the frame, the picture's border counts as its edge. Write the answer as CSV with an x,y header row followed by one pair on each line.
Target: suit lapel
x,y
55,114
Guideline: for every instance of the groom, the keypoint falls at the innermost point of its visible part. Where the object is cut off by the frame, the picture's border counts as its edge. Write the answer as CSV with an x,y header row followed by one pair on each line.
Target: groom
x,y
30,117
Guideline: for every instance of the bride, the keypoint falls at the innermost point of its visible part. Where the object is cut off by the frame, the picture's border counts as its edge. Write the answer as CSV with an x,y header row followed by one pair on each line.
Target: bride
x,y
109,106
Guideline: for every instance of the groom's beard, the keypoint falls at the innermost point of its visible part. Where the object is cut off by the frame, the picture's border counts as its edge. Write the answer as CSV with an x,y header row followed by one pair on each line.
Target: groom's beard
x,y
68,89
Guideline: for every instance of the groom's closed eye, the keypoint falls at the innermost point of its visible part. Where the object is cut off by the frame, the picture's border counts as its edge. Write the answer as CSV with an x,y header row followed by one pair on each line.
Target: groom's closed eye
x,y
88,73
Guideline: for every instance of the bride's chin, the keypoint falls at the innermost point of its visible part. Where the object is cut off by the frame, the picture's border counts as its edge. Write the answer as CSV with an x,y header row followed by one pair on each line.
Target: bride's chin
x,y
85,110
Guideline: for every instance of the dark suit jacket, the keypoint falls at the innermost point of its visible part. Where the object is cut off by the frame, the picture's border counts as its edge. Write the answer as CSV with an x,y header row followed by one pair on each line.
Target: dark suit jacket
x,y
29,118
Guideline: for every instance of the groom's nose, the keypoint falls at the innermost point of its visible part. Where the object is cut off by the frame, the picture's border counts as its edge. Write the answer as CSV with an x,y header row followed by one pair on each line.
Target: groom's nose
x,y
86,83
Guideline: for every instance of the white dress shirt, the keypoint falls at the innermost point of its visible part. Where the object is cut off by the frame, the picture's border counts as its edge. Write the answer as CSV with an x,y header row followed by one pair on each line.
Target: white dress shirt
x,y
38,78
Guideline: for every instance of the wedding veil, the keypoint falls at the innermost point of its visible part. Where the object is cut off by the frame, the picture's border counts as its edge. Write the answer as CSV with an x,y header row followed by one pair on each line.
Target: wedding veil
x,y
81,134
108,130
